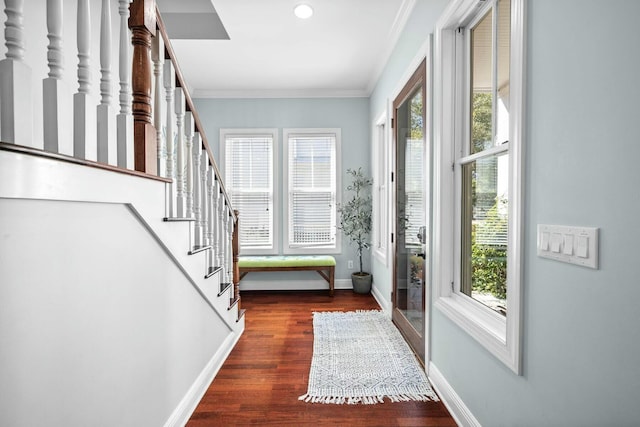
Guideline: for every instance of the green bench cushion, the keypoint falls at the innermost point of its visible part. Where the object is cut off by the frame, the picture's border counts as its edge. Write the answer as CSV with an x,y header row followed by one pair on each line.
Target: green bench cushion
x,y
287,261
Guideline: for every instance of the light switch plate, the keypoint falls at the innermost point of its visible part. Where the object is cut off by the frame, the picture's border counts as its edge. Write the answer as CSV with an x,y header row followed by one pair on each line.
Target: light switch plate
x,y
553,241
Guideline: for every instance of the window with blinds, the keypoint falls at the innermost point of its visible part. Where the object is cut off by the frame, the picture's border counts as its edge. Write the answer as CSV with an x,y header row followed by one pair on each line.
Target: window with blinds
x,y
249,165
312,165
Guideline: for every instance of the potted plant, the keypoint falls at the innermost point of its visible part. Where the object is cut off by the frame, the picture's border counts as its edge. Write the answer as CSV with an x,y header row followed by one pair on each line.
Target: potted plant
x,y
355,223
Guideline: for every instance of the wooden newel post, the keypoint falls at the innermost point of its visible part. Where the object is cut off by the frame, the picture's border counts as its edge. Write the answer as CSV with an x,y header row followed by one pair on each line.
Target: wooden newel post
x,y
236,253
142,21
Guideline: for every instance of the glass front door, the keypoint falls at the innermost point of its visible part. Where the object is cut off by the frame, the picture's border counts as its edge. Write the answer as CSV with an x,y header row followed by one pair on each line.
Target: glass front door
x,y
411,228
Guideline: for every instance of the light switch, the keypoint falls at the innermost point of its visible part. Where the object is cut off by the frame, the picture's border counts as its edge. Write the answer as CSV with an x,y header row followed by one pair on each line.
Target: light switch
x,y
544,241
582,246
567,245
556,240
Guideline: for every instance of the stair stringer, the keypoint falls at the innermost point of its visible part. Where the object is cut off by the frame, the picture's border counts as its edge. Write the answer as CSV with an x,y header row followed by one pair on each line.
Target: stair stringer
x,y
33,177
25,176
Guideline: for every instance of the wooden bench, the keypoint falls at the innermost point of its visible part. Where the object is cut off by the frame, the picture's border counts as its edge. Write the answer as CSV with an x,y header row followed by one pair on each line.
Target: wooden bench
x,y
325,265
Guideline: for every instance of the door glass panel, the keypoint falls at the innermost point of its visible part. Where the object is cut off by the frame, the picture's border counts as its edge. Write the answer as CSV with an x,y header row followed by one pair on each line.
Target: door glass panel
x,y
411,216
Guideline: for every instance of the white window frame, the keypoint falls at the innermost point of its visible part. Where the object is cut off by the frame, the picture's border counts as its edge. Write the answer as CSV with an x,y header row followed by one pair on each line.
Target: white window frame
x,y
380,161
316,250
500,335
273,132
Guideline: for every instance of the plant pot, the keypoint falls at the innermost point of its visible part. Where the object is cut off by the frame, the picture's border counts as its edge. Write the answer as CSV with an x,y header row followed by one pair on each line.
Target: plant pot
x,y
361,282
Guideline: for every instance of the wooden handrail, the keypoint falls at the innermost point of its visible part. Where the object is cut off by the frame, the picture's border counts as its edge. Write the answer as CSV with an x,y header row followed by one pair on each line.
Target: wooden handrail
x,y
180,81
4,146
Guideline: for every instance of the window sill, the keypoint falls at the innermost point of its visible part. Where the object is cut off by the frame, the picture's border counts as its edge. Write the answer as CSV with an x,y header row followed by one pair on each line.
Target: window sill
x,y
483,324
319,250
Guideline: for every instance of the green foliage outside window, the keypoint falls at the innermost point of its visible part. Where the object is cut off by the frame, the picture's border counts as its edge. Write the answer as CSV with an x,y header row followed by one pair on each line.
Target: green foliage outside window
x,y
489,262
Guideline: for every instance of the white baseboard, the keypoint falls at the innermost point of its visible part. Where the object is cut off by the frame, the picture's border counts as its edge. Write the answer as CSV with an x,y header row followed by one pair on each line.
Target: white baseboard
x,y
190,401
383,302
292,285
459,411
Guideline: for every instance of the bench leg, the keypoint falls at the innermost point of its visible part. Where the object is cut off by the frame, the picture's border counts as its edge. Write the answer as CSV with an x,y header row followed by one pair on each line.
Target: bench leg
x,y
332,271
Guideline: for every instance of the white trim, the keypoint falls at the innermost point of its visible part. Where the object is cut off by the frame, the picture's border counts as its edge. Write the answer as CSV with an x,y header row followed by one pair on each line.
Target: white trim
x,y
294,284
425,53
489,152
384,303
428,107
315,250
275,224
381,153
279,93
458,410
191,399
502,337
400,21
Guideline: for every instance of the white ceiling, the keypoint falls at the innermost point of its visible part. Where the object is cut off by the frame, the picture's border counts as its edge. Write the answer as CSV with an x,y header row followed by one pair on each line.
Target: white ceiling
x,y
339,51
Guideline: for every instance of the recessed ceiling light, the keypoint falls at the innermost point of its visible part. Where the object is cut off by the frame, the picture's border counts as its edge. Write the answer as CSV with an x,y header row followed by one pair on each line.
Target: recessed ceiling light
x,y
303,11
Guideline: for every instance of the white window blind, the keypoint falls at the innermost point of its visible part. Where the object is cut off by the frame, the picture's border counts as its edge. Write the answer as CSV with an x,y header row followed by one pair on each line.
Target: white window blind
x,y
312,190
249,181
414,183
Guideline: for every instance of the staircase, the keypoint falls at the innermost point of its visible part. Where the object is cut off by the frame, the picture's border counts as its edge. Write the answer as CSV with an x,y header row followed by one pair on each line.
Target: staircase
x,y
143,182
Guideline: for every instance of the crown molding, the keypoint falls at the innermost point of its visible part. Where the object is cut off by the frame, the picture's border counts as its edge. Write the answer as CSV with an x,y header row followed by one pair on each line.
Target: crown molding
x,y
397,27
280,93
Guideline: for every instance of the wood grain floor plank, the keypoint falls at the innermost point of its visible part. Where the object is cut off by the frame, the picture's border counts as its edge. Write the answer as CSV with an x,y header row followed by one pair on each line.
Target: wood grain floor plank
x,y
260,382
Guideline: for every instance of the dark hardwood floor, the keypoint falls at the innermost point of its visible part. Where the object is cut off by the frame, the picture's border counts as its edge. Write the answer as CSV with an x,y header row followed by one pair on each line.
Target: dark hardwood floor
x,y
268,369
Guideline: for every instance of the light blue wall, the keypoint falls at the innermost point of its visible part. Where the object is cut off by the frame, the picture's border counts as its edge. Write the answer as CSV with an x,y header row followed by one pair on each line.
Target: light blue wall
x,y
581,331
581,327
351,115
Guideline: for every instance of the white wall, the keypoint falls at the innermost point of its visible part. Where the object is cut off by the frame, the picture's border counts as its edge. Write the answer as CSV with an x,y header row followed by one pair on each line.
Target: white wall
x,y
104,318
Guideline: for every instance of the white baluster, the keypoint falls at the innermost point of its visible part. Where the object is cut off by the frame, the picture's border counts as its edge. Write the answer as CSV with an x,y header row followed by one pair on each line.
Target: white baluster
x,y
16,110
220,236
223,241
215,221
180,144
228,245
84,123
197,227
56,105
230,241
124,120
170,88
54,28
204,213
157,55
107,144
189,126
211,218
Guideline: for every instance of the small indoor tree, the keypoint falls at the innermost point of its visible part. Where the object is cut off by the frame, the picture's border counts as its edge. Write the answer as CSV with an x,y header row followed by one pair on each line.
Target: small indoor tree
x,y
355,223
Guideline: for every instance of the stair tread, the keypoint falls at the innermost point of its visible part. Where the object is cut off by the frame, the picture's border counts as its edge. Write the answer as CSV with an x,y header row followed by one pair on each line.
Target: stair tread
x,y
177,219
233,302
197,249
223,288
211,271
